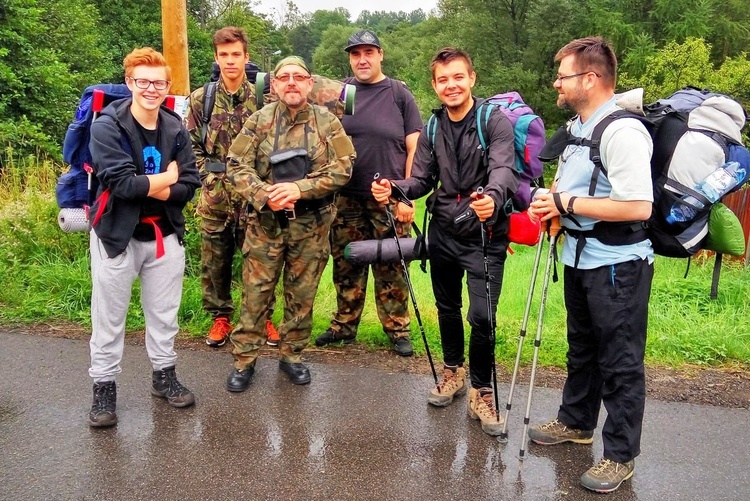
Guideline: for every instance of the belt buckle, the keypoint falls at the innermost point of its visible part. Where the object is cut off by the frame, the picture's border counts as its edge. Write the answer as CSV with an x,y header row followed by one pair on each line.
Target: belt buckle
x,y
291,214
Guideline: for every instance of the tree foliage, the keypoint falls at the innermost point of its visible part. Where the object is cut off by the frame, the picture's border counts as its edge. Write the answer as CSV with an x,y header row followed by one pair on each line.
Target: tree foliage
x,y
51,49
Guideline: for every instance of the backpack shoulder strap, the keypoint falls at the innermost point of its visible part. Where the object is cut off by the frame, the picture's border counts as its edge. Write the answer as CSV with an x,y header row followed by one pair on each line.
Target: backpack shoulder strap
x,y
399,90
262,83
209,99
484,110
431,127
594,145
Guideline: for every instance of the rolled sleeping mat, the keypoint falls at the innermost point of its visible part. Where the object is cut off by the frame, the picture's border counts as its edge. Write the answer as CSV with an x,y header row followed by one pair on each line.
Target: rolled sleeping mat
x,y
380,251
73,220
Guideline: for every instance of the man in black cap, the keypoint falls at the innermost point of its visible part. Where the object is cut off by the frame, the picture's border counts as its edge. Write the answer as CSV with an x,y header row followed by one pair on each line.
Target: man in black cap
x,y
384,132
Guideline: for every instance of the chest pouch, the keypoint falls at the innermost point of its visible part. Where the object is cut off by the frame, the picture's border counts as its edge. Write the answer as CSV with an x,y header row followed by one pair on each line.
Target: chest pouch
x,y
291,164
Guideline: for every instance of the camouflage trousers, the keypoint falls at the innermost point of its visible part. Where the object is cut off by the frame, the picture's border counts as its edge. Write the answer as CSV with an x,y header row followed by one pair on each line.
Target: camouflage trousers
x,y
219,240
300,251
359,219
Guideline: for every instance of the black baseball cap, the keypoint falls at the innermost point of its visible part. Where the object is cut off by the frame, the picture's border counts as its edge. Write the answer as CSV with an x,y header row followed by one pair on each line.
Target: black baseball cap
x,y
362,37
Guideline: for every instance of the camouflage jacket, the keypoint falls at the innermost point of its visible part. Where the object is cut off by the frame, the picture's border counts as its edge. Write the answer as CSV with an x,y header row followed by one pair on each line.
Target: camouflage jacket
x,y
229,113
330,151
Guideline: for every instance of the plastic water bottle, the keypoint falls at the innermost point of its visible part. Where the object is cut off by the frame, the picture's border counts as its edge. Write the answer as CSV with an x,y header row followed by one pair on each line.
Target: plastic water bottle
x,y
713,187
720,181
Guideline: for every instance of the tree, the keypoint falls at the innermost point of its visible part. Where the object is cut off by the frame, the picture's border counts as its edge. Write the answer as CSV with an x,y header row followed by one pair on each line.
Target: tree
x,y
39,74
680,64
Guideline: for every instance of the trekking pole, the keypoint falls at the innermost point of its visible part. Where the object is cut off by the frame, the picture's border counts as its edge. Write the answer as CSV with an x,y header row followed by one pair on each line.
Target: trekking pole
x,y
554,230
490,314
503,438
392,222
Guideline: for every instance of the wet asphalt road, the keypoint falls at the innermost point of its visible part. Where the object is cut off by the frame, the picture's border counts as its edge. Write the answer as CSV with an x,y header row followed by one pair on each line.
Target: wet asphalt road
x,y
352,434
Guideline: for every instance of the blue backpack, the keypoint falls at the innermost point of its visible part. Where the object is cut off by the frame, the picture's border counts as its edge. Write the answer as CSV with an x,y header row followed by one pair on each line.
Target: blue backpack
x,y
76,188
529,139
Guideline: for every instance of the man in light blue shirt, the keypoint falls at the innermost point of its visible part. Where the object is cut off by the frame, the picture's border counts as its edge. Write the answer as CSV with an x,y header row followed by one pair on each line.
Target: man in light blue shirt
x,y
608,265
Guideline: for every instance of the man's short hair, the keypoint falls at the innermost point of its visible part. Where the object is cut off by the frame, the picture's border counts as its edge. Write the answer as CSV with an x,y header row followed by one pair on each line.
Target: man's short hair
x,y
230,34
145,56
592,54
448,54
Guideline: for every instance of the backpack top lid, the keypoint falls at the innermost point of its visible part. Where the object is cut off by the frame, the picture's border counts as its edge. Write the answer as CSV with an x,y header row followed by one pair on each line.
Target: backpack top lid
x,y
719,114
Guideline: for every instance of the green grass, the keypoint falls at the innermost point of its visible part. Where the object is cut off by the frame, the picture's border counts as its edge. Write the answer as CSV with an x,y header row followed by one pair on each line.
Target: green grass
x,y
46,279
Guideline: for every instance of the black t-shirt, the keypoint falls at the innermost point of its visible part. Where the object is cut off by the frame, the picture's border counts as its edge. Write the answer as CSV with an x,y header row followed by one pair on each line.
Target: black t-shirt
x,y
378,129
458,129
151,207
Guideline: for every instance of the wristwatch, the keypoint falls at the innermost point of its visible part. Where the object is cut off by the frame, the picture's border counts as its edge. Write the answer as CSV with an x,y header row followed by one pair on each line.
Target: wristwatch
x,y
570,210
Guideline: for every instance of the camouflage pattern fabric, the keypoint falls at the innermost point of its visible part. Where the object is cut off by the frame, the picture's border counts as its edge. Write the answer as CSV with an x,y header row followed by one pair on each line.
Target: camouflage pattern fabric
x,y
330,151
301,247
358,219
222,216
301,251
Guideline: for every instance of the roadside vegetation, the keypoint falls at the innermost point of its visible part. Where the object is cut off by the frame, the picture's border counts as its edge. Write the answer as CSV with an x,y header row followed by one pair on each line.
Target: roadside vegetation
x,y
46,278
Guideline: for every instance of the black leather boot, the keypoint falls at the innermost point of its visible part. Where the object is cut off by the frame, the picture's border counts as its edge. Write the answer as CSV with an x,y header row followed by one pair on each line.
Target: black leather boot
x,y
298,373
239,379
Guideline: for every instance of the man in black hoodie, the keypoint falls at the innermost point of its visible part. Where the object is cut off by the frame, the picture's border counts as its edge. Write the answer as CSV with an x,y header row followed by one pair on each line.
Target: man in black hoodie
x,y
146,169
451,161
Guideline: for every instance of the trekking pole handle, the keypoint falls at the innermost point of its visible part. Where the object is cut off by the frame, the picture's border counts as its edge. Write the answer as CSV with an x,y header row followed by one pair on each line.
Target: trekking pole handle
x,y
552,226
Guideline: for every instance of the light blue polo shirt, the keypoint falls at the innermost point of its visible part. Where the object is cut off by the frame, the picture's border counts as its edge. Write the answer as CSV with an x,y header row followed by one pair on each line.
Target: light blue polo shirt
x,y
626,154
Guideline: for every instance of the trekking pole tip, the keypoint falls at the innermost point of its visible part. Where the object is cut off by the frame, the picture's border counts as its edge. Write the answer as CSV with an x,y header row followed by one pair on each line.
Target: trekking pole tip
x,y
503,438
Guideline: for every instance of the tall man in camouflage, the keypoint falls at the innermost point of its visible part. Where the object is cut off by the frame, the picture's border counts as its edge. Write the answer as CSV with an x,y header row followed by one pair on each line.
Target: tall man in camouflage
x,y
288,161
222,222
384,131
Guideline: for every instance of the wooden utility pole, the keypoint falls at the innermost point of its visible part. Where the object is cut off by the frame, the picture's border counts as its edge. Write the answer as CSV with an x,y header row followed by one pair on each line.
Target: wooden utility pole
x,y
174,39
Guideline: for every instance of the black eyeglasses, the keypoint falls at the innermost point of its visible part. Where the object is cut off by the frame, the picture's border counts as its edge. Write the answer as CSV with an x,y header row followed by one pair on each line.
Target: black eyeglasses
x,y
143,83
297,77
565,77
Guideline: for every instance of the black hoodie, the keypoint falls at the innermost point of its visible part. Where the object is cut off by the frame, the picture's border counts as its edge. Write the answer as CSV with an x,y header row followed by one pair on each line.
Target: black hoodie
x,y
114,139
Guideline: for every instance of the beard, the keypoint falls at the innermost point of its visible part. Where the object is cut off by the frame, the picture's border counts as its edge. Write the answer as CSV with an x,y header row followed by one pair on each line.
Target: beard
x,y
574,100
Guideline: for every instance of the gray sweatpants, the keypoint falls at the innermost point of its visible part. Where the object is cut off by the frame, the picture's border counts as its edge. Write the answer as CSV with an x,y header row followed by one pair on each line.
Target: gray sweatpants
x,y
161,292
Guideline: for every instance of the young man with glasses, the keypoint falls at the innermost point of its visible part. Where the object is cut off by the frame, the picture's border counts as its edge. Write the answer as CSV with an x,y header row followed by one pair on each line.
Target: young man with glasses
x,y
288,161
607,285
147,173
384,132
222,213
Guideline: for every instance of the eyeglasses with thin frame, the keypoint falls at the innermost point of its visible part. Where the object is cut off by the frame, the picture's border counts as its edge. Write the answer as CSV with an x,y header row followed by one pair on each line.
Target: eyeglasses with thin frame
x,y
144,83
565,77
297,77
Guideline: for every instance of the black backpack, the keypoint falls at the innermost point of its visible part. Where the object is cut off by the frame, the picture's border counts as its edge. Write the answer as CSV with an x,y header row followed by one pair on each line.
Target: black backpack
x,y
694,131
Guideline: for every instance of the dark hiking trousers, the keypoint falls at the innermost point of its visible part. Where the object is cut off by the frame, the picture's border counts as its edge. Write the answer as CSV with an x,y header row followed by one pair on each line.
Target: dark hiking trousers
x,y
449,260
607,319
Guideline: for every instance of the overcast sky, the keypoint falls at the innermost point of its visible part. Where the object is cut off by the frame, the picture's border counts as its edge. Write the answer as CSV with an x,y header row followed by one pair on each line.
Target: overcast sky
x,y
353,6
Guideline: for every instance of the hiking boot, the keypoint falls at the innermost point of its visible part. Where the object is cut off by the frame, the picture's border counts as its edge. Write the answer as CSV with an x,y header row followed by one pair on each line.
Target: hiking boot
x,y
329,337
607,476
298,373
103,409
482,407
219,332
555,432
452,385
239,379
272,335
164,384
402,346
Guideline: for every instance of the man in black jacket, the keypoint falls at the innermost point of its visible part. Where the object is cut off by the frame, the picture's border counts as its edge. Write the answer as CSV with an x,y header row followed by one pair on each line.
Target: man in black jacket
x,y
146,169
453,157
